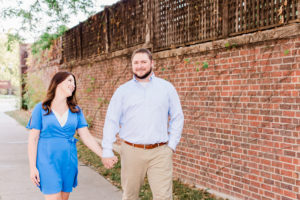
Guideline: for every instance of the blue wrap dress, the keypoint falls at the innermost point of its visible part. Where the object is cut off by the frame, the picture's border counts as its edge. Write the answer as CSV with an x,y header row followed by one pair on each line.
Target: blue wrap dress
x,y
57,161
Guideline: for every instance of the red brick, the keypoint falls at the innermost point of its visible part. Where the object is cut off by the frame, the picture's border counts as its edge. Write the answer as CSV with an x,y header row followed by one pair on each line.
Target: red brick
x,y
288,60
289,113
276,61
290,194
241,114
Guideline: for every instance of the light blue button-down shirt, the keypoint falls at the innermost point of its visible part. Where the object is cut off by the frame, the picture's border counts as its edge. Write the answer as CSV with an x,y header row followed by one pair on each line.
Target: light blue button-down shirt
x,y
140,114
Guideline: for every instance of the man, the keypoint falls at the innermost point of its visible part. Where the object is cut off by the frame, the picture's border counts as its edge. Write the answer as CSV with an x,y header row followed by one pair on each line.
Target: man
x,y
139,111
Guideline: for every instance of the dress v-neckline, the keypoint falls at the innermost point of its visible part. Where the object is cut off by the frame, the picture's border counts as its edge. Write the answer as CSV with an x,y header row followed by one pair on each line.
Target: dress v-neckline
x,y
56,117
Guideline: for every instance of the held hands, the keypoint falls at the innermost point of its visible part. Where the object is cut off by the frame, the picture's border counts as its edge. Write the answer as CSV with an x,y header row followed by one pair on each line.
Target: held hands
x,y
35,176
109,162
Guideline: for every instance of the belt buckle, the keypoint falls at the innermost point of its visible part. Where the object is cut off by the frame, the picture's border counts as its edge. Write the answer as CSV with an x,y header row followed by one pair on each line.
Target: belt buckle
x,y
144,147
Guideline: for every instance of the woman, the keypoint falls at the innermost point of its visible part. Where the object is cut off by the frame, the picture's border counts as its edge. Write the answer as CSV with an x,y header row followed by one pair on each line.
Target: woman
x,y
51,145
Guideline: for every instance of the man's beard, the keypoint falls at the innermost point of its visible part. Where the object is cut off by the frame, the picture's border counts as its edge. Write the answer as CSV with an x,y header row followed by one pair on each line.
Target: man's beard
x,y
144,76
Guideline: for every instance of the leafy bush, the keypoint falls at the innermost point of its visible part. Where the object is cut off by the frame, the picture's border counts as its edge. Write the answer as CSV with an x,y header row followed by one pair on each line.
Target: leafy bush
x,y
35,90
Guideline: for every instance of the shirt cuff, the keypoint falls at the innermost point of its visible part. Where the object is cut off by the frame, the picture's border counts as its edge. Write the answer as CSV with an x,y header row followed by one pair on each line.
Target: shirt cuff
x,y
172,145
107,153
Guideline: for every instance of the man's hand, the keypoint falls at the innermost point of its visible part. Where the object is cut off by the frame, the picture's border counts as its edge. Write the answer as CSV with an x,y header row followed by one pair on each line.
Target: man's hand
x,y
109,162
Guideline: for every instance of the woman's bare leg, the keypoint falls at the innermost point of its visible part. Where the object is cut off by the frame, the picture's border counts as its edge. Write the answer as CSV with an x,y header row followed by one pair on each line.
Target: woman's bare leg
x,y
65,195
56,196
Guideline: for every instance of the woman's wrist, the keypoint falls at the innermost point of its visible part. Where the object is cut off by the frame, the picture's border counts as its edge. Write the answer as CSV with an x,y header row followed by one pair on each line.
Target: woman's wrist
x,y
32,167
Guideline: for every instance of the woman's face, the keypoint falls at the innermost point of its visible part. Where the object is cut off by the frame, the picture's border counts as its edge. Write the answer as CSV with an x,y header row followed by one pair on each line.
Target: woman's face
x,y
67,87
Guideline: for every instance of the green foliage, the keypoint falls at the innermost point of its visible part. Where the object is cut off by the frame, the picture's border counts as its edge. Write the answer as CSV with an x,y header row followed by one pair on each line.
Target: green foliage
x,y
35,91
234,45
9,61
91,84
186,61
180,191
205,65
20,116
227,45
45,41
88,90
106,101
89,158
90,121
12,39
145,191
92,80
99,99
59,11
286,52
46,18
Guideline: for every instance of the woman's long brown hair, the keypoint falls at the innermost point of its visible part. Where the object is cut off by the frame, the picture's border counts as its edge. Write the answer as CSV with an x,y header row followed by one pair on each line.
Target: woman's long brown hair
x,y
71,100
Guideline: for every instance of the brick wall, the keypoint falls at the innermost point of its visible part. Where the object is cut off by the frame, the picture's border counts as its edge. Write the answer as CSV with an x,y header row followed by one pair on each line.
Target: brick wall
x,y
240,98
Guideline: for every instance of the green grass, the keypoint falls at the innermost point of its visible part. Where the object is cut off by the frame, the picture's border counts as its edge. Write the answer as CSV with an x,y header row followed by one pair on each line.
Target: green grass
x,y
2,96
86,156
21,116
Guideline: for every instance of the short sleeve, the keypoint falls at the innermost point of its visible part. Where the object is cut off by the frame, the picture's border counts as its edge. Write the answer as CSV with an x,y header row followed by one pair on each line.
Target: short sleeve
x,y
35,120
81,122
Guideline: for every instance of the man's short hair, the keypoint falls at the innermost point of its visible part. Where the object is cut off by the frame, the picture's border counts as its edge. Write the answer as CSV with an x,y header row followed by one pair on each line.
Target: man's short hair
x,y
142,50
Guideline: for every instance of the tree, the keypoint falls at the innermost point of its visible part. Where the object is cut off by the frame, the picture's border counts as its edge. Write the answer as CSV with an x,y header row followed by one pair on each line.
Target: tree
x,y
9,62
45,18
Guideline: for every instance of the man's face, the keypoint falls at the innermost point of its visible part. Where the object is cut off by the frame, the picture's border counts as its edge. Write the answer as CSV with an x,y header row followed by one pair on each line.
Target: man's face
x,y
141,65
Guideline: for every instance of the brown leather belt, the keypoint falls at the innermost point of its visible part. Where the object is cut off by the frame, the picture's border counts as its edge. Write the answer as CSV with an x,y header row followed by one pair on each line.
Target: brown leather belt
x,y
146,146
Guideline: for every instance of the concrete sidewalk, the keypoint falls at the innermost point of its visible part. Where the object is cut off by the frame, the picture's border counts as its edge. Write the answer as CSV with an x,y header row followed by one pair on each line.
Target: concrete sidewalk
x,y
14,170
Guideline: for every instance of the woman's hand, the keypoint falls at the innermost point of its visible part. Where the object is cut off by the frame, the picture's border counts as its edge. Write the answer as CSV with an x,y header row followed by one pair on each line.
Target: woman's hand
x,y
35,176
92,144
109,162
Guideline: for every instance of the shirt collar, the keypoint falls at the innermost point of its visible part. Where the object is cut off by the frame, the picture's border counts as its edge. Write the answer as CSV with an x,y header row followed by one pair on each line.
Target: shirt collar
x,y
150,78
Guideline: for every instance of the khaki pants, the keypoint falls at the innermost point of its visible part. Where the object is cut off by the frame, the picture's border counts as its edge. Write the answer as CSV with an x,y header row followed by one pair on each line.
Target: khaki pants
x,y
156,163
